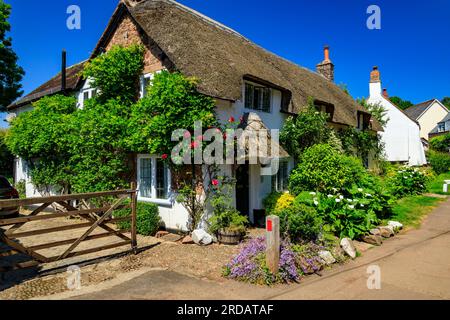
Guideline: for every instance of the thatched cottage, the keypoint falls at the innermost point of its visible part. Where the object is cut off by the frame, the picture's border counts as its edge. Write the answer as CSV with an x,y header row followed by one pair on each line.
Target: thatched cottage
x,y
232,69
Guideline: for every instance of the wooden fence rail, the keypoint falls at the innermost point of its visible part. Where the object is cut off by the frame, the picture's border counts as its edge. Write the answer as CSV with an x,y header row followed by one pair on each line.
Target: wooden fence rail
x,y
101,217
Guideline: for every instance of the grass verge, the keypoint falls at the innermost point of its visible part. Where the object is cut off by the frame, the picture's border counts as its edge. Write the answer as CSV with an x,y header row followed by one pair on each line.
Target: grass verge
x,y
436,185
411,210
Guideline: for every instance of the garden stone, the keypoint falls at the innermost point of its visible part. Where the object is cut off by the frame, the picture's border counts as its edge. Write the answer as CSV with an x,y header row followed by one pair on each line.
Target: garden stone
x,y
376,240
375,232
187,240
327,257
201,237
396,225
348,247
386,232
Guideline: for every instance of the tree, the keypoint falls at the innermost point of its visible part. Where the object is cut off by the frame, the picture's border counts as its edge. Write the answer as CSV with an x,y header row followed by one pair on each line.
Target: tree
x,y
10,72
399,102
376,110
6,157
446,102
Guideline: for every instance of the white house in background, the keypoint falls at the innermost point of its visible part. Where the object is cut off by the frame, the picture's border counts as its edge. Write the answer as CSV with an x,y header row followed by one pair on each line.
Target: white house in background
x,y
401,134
244,79
428,114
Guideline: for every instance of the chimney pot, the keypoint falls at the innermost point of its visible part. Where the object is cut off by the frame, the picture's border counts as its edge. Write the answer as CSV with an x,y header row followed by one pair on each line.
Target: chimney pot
x,y
375,75
326,67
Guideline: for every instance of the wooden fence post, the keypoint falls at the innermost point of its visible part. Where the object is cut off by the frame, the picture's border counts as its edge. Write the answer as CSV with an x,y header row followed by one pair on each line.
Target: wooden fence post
x,y
133,216
273,243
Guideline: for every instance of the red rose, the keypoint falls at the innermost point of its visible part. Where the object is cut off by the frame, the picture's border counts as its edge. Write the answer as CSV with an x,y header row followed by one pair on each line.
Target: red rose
x,y
231,119
164,156
215,182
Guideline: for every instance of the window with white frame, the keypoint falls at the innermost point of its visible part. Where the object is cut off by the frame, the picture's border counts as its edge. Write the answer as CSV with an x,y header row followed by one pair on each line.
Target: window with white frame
x,y
258,97
441,127
153,177
281,179
88,94
146,81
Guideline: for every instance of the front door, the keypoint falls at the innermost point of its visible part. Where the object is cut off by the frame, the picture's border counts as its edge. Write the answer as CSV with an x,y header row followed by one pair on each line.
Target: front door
x,y
243,190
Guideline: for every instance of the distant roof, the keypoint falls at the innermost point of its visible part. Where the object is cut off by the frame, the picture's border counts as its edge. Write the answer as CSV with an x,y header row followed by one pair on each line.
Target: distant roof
x,y
416,111
52,86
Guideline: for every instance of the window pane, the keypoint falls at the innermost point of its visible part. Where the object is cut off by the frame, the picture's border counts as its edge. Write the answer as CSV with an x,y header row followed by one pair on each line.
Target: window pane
x,y
86,96
248,96
145,174
266,100
161,179
257,99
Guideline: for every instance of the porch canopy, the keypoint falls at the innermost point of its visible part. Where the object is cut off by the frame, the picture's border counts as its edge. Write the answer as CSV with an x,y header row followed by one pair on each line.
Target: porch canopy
x,y
258,142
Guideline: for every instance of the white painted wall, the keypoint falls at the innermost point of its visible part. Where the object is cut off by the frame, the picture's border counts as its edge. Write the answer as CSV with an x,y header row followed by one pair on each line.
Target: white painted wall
x,y
401,134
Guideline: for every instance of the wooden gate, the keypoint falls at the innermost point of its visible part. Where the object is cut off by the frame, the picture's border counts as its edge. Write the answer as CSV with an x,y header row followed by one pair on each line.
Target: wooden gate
x,y
90,207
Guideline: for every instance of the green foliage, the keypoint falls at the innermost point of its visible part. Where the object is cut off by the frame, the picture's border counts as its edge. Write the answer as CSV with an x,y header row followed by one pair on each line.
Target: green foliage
x,y
407,181
171,103
299,222
436,184
410,210
10,72
441,143
361,143
439,161
322,168
6,157
446,102
20,186
402,104
116,74
276,201
376,110
306,129
345,217
225,216
148,220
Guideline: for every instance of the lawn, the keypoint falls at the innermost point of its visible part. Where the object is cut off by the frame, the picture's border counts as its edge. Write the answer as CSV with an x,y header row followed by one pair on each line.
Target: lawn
x,y
435,186
411,210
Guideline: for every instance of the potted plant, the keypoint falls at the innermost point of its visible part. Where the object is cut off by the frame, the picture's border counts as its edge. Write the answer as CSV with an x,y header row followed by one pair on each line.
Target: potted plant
x,y
226,222
229,226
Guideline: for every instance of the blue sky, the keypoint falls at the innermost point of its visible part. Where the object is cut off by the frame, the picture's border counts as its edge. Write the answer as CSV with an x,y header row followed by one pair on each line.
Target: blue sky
x,y
411,49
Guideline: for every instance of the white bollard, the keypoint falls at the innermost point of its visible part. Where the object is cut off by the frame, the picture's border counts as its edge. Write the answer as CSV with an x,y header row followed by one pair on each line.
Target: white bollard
x,y
445,189
273,243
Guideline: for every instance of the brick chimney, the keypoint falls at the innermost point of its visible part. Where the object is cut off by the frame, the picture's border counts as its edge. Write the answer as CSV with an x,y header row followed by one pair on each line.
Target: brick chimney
x,y
326,67
385,93
375,82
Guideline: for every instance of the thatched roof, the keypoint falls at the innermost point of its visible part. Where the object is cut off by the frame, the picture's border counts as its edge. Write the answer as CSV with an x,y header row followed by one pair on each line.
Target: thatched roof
x,y
222,58
53,86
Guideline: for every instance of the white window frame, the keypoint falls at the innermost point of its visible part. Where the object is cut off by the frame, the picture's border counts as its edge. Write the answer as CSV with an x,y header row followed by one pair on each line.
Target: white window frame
x,y
153,199
144,77
275,181
256,85
441,127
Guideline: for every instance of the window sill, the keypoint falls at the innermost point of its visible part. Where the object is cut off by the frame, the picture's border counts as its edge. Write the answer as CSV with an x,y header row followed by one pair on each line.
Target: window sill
x,y
160,202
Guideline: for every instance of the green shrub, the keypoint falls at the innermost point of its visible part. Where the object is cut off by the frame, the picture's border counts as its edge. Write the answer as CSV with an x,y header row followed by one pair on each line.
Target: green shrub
x,y
147,220
299,222
323,169
439,161
440,143
276,201
407,181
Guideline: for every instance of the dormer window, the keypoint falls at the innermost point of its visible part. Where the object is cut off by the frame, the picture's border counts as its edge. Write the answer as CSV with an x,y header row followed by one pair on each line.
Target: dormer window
x,y
258,97
441,127
325,108
363,120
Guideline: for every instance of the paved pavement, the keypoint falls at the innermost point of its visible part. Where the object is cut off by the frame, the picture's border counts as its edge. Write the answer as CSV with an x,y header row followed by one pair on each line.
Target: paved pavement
x,y
413,265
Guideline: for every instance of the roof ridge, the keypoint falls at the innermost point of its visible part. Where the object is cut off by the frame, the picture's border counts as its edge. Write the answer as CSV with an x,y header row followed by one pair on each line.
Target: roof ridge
x,y
228,29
